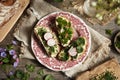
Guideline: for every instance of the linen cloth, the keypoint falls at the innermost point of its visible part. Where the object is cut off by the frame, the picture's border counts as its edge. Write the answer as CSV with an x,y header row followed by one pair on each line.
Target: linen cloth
x,y
39,8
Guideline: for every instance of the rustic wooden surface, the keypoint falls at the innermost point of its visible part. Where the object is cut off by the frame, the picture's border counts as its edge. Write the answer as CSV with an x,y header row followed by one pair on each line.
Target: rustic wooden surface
x,y
65,6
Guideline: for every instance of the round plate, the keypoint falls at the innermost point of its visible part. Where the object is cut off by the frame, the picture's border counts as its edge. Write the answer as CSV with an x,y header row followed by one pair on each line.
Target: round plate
x,y
53,63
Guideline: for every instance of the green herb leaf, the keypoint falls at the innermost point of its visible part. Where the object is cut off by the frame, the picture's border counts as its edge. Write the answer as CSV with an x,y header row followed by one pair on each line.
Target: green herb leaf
x,y
30,67
79,49
12,77
108,32
26,76
19,74
5,60
41,31
40,72
107,75
51,49
63,56
80,41
49,77
9,47
61,22
37,78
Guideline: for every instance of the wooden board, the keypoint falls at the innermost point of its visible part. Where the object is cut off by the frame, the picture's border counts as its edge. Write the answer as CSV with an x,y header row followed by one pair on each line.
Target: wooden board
x,y
9,24
111,65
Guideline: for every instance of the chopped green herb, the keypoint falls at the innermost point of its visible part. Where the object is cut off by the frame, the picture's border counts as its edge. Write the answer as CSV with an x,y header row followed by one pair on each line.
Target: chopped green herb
x,y
40,72
79,49
51,49
12,77
9,47
107,75
49,77
5,60
61,22
63,56
108,31
26,76
80,41
37,78
41,31
30,67
19,74
65,30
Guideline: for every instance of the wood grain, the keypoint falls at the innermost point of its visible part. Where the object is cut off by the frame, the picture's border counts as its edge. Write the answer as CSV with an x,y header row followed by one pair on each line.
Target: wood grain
x,y
8,25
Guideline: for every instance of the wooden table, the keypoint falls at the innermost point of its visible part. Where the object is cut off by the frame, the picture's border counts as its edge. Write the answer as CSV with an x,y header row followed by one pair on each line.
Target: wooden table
x,y
66,6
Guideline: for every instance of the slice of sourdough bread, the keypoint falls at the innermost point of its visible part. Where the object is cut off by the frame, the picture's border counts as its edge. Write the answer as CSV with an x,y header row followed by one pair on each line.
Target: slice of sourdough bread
x,y
65,30
52,51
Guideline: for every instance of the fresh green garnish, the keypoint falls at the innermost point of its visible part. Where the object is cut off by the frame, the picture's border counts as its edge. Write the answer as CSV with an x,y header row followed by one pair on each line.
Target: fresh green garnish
x,y
19,74
6,60
30,67
41,31
61,22
65,30
40,72
49,77
108,31
38,78
52,49
107,75
80,41
9,47
104,8
63,56
26,76
79,49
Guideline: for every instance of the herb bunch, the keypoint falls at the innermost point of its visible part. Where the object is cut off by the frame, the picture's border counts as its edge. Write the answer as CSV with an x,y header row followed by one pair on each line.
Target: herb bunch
x,y
26,75
107,75
104,7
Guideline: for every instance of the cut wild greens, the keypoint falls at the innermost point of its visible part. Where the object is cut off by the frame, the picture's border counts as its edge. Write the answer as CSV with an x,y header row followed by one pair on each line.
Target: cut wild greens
x,y
65,30
107,75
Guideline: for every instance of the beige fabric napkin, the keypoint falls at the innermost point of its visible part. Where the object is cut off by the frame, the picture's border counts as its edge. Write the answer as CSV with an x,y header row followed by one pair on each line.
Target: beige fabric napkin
x,y
99,46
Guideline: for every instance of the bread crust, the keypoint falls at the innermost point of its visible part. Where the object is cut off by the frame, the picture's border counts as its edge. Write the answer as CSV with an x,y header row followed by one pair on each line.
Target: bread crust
x,y
40,38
